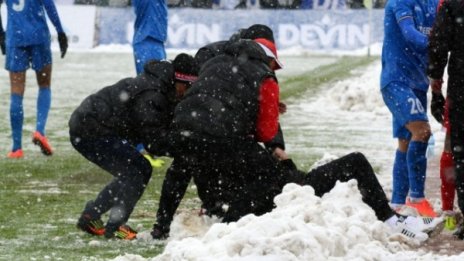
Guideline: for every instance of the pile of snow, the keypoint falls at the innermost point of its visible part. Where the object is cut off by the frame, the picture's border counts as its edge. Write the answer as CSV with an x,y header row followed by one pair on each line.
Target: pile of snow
x,y
338,226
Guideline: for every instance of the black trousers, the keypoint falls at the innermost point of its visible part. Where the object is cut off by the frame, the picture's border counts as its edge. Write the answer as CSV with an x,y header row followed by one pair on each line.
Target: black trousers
x,y
352,166
238,178
455,96
131,172
175,184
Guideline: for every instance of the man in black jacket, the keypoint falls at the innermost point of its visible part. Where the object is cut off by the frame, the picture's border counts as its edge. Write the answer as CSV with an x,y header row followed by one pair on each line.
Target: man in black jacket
x,y
446,37
108,124
179,174
277,145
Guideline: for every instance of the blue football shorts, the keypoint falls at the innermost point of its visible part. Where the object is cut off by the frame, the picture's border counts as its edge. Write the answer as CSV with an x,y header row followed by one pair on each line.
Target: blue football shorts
x,y
148,49
20,58
406,105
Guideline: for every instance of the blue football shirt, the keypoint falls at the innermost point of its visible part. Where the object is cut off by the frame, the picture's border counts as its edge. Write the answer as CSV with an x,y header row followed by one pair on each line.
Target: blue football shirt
x,y
407,24
151,20
27,24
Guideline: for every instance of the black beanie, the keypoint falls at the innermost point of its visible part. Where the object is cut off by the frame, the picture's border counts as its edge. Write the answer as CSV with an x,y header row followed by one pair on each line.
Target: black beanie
x,y
185,68
259,31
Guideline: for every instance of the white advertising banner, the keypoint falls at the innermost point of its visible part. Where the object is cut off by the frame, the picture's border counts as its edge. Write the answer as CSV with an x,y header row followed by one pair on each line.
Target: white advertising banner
x,y
79,24
190,28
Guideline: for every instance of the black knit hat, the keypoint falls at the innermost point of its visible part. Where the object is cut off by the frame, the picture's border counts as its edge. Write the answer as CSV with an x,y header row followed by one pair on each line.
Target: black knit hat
x,y
185,68
259,31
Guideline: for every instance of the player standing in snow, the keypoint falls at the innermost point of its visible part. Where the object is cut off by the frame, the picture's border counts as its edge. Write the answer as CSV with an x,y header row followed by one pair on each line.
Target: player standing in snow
x,y
439,110
108,124
446,38
404,86
27,42
150,31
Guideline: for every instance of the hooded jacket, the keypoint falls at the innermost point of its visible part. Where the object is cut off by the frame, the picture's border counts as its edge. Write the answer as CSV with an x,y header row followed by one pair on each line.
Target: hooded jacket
x,y
224,102
137,109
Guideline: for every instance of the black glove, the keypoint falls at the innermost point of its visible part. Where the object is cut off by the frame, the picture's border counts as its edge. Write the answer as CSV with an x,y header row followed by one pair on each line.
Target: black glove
x,y
159,232
437,106
2,42
63,41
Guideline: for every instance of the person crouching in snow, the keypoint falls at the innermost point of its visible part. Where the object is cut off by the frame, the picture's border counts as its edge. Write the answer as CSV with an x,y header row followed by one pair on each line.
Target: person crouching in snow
x,y
217,130
107,126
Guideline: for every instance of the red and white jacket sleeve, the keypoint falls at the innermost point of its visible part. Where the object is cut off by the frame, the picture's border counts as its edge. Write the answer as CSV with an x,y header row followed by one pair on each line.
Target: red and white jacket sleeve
x,y
267,121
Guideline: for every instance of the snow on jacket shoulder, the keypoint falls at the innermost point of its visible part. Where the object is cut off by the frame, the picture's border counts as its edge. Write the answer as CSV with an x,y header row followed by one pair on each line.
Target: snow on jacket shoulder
x,y
133,108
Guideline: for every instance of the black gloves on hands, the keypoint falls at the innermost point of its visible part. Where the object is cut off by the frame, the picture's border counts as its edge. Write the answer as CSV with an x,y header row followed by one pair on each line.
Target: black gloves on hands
x,y
63,41
2,42
159,232
437,106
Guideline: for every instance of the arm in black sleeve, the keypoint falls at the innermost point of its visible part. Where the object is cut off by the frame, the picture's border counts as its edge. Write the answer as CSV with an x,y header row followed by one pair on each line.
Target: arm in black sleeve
x,y
152,115
439,42
276,142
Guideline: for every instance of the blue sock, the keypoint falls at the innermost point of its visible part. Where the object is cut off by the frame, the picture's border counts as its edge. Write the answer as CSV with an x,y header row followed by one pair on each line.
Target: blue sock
x,y
400,178
16,119
43,106
417,166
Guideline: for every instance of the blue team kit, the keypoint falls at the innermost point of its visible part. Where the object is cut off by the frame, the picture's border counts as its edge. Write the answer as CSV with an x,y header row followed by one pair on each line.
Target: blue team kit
x,y
27,33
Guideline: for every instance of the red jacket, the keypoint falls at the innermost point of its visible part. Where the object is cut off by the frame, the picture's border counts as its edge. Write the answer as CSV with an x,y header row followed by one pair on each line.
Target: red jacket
x,y
267,121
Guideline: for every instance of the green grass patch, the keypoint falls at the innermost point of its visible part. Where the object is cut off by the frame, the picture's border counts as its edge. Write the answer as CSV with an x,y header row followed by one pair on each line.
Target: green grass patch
x,y
341,69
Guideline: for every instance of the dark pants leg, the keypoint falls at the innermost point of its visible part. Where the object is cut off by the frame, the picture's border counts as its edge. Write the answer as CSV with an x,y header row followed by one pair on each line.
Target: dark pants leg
x,y
175,184
131,172
235,179
456,115
352,166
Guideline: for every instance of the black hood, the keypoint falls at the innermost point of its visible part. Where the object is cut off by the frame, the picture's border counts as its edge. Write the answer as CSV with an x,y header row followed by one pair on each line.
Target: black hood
x,y
247,50
163,71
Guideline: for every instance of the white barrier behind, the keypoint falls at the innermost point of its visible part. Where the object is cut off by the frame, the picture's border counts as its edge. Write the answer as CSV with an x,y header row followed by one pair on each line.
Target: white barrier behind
x,y
188,28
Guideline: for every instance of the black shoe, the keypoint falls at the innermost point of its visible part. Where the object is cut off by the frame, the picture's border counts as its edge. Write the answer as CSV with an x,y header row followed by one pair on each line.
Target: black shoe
x,y
159,232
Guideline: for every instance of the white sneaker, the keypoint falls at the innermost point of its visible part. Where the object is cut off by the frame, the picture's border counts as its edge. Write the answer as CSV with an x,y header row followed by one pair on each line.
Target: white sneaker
x,y
423,224
407,226
432,226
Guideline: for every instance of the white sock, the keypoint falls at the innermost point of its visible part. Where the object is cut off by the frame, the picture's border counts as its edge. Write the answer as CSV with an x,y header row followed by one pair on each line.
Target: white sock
x,y
391,221
396,205
415,200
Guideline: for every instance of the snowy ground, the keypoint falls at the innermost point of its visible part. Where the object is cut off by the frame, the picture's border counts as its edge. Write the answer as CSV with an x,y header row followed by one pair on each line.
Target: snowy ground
x,y
347,116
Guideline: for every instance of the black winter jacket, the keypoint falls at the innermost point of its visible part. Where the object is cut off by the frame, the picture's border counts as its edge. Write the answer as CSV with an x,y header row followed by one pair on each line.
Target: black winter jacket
x,y
448,36
214,49
223,102
137,109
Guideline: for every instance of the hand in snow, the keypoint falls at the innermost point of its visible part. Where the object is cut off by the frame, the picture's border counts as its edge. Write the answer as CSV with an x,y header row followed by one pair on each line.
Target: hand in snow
x,y
279,154
282,108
